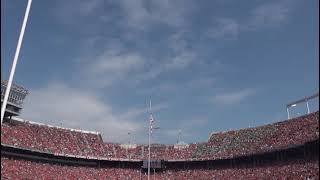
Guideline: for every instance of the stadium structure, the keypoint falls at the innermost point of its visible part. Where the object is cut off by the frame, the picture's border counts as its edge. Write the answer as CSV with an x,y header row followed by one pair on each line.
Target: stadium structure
x,y
283,150
29,150
16,98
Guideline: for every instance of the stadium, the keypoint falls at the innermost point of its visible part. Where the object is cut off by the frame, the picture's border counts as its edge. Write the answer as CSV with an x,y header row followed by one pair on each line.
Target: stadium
x,y
35,149
283,150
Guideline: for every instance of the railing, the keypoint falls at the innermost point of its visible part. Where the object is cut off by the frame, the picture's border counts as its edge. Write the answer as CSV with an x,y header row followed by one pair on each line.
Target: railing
x,y
12,100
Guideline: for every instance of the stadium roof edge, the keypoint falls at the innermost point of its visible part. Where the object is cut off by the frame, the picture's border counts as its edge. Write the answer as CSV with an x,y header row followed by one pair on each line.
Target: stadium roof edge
x,y
304,99
41,124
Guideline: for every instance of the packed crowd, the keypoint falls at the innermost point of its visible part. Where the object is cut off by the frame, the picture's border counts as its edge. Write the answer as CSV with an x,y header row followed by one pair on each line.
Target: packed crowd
x,y
220,145
303,171
51,139
261,139
24,169
164,152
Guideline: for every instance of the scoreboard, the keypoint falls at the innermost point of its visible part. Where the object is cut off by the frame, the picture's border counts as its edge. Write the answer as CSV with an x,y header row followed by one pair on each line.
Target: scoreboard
x,y
154,164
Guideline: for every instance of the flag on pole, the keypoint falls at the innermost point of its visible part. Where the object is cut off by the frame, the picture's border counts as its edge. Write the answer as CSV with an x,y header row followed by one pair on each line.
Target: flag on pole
x,y
151,123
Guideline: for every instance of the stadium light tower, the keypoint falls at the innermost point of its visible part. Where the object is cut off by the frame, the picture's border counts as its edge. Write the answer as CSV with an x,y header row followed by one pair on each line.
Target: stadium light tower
x,y
15,60
303,100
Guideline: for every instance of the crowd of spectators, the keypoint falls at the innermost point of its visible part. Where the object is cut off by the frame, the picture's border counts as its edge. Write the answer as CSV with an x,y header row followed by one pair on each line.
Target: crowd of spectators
x,y
161,151
220,145
231,144
266,138
24,169
51,139
298,170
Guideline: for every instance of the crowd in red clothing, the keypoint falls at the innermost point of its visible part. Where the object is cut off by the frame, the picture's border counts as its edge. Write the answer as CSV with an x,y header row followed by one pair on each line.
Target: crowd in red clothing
x,y
50,139
220,145
260,139
24,169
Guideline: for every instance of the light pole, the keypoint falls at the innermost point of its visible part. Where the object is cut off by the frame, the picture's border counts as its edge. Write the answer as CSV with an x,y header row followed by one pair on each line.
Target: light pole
x,y
15,61
307,104
293,105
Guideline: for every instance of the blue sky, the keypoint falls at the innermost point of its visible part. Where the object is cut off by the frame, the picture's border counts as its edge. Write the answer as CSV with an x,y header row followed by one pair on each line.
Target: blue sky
x,y
207,65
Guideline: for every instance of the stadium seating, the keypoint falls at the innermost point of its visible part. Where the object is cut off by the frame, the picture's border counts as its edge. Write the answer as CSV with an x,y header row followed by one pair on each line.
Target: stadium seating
x,y
224,145
50,139
25,169
261,139
220,145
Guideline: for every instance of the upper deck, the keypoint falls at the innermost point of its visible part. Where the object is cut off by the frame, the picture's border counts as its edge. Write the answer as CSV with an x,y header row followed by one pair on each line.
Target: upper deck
x,y
15,100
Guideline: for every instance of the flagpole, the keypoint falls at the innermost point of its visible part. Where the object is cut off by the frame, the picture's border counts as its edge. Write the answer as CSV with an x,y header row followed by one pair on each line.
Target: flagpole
x,y
149,142
149,155
15,60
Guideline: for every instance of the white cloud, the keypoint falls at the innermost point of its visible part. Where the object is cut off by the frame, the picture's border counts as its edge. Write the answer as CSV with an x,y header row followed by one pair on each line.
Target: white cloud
x,y
72,11
232,98
181,61
135,13
226,27
270,14
74,108
108,60
141,13
267,14
134,112
177,41
112,64
169,88
122,63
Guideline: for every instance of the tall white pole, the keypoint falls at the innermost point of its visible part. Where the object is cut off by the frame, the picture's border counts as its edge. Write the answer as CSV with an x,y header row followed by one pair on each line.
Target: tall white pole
x,y
149,144
288,113
15,60
308,107
149,156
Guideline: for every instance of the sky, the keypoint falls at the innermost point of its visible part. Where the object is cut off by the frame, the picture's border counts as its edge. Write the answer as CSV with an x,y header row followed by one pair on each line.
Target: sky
x,y
207,66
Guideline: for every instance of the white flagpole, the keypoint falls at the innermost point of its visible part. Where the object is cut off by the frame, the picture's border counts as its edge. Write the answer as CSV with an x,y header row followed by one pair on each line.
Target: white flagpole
x,y
149,143
15,60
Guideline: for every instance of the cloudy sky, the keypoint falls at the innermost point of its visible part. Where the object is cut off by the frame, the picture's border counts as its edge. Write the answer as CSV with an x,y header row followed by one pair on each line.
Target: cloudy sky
x,y
208,66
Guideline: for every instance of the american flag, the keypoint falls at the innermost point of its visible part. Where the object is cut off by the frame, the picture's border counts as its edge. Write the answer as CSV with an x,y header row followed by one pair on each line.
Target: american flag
x,y
151,123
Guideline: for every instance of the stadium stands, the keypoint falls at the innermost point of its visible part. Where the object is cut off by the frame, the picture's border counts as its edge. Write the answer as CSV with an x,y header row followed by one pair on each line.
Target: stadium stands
x,y
261,139
297,161
50,139
220,145
24,169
